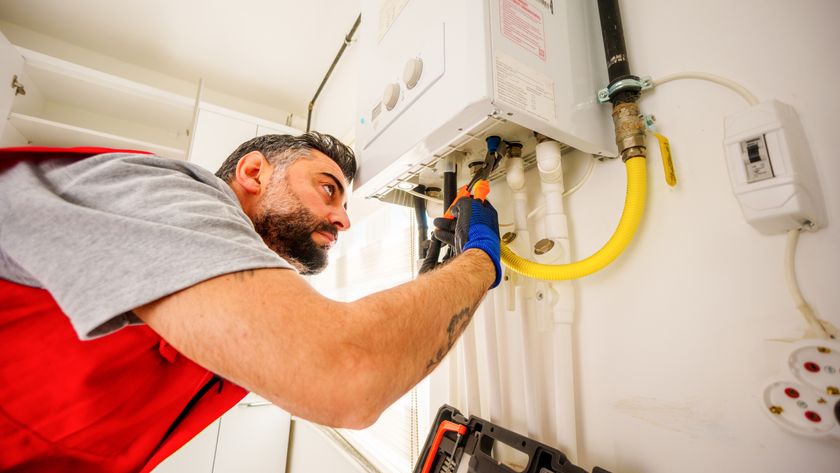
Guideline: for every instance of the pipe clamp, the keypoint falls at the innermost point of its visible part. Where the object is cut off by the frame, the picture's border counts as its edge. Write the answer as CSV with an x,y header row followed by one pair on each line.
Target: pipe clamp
x,y
642,83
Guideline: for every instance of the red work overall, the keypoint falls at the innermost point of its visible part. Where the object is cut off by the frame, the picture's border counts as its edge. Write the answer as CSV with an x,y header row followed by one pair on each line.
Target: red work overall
x,y
120,403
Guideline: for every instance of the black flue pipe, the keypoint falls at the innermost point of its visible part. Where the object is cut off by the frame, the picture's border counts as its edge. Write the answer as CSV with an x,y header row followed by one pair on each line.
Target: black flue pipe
x,y
422,224
618,66
450,189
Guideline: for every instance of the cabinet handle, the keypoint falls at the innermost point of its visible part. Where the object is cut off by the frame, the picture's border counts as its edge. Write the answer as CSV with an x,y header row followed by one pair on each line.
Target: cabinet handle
x,y
254,404
19,89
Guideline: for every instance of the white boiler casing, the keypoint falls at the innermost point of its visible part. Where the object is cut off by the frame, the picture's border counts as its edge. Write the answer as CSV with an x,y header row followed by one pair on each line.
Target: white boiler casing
x,y
435,73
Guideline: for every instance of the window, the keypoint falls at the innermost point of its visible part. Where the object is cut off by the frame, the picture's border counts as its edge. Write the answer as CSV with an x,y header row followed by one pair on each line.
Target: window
x,y
379,253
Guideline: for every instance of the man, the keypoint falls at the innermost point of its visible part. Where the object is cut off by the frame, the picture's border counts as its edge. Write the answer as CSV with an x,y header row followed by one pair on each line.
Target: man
x,y
208,265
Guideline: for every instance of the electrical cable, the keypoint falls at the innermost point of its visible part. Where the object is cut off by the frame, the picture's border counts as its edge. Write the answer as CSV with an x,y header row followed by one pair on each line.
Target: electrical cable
x,y
793,285
738,88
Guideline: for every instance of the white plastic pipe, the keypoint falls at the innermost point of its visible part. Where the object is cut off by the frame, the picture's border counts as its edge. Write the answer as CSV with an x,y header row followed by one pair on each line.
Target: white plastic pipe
x,y
455,391
561,297
533,412
551,184
564,391
516,180
469,355
492,377
524,297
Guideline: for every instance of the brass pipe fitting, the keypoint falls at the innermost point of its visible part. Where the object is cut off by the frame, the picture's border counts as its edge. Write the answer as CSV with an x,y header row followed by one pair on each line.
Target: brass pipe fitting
x,y
629,130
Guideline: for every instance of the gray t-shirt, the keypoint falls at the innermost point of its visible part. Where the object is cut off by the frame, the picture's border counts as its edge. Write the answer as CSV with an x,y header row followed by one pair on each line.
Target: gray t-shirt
x,y
110,233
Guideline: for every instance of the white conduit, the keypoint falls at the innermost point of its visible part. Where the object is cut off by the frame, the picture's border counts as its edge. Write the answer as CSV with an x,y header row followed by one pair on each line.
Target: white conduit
x,y
524,300
533,414
455,393
469,355
561,297
494,384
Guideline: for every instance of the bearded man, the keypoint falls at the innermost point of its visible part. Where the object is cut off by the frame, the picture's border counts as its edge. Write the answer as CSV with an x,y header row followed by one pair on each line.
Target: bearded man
x,y
141,297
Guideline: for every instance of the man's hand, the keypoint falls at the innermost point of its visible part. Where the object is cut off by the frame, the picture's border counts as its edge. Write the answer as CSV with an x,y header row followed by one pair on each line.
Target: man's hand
x,y
476,225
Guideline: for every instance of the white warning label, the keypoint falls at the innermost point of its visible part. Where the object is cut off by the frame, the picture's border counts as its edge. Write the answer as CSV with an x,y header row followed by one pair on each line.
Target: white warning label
x,y
523,24
518,85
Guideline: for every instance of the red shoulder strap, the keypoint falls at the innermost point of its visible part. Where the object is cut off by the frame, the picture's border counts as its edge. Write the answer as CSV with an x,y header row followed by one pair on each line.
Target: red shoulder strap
x,y
46,152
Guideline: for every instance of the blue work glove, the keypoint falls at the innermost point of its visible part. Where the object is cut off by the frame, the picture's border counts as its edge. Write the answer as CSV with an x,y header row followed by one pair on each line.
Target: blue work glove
x,y
476,225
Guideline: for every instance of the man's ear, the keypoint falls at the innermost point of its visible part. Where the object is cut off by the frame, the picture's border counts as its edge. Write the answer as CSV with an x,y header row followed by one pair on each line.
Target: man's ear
x,y
252,172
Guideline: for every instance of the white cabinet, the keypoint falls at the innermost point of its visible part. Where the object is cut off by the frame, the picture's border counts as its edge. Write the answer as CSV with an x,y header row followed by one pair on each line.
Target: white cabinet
x,y
67,104
252,436
11,72
277,130
218,132
216,136
196,456
11,66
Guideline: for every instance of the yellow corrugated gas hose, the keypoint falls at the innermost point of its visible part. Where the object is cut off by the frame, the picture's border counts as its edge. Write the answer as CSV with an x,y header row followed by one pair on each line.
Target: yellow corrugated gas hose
x,y
631,216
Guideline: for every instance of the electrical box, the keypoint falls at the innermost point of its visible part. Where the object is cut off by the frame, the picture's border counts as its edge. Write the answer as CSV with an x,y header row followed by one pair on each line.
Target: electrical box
x,y
438,76
771,169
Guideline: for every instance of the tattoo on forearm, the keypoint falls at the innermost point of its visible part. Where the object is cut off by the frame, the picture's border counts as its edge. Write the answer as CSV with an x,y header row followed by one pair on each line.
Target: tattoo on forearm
x,y
457,324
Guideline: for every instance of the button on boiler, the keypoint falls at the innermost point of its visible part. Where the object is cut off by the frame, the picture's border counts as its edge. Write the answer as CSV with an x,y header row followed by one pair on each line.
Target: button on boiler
x,y
412,71
391,95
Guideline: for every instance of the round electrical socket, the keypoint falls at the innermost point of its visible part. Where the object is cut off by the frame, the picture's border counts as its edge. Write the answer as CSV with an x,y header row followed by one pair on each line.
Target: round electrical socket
x,y
800,409
817,364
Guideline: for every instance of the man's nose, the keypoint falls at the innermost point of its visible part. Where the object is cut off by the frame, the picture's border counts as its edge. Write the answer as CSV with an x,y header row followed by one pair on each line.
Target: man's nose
x,y
340,219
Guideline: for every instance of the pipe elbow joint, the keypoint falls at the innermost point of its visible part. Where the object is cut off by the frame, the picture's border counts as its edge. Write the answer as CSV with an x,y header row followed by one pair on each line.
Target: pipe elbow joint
x,y
516,174
549,162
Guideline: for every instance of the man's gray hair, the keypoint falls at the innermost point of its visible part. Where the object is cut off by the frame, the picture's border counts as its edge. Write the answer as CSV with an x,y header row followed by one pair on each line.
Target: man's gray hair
x,y
282,150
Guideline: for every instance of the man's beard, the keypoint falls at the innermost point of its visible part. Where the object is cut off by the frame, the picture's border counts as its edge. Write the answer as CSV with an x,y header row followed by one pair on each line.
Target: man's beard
x,y
288,230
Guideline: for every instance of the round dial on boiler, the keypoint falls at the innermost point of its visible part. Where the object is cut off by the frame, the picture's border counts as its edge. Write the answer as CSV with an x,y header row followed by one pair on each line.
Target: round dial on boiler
x,y
412,71
391,95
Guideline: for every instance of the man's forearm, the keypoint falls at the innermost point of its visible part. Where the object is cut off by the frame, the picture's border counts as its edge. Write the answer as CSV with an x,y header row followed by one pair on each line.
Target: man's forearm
x,y
417,323
335,363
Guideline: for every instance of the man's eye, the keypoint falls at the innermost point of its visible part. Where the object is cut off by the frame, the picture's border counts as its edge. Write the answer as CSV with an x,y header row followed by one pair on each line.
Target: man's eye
x,y
329,188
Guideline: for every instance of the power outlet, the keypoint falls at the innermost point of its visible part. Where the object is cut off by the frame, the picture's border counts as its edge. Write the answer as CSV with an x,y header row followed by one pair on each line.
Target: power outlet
x,y
800,409
816,363
806,401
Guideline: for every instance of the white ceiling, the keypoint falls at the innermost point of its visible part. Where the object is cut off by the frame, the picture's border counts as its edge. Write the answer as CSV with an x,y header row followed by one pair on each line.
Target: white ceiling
x,y
273,52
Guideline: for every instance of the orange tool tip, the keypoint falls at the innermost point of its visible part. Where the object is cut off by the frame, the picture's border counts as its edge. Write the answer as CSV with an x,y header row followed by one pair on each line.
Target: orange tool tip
x,y
445,426
481,189
462,192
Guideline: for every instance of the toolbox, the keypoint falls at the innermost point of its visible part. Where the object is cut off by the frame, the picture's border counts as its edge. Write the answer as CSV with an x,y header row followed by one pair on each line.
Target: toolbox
x,y
457,444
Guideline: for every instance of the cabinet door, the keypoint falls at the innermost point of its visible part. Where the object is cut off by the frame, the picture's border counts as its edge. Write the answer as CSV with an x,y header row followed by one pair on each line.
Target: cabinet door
x,y
216,136
254,437
279,130
11,65
194,457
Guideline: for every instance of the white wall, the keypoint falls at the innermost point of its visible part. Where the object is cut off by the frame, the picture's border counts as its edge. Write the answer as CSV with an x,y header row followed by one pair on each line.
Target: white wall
x,y
335,110
675,338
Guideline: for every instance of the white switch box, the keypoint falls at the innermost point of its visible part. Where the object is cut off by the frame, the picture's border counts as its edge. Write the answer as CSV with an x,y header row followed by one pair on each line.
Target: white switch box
x,y
771,169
